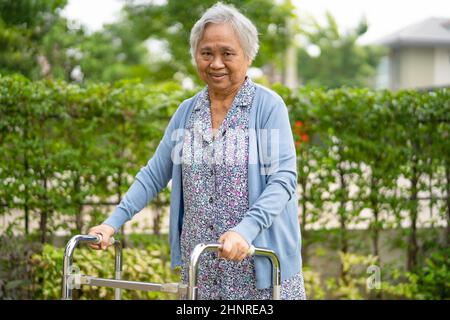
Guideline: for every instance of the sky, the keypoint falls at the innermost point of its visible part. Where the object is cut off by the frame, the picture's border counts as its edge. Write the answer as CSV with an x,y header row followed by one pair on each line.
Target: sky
x,y
383,16
93,13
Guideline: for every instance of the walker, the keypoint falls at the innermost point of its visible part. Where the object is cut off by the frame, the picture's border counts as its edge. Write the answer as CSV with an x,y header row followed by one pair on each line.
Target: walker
x,y
73,279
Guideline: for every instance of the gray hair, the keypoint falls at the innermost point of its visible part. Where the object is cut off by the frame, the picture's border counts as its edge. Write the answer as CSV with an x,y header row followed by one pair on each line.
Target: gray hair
x,y
242,26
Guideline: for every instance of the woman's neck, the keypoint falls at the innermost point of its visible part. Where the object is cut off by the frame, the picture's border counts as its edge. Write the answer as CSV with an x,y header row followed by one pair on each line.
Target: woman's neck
x,y
224,97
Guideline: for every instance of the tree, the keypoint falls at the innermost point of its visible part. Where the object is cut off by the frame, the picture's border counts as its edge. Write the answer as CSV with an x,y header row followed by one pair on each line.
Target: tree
x,y
23,25
172,22
114,53
338,60
38,43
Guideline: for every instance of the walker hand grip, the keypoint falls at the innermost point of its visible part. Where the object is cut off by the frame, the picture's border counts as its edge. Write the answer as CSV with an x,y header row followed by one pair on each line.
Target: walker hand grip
x,y
100,238
250,252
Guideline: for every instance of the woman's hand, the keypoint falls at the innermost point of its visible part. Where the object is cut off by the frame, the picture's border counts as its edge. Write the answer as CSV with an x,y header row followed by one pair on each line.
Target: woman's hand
x,y
234,246
106,232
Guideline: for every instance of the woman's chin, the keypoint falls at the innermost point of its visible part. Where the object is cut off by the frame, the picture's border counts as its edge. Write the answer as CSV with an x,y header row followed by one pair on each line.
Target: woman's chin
x,y
218,85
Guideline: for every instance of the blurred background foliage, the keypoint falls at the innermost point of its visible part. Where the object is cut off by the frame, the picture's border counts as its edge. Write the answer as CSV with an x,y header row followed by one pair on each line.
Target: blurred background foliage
x,y
81,112
150,41
333,59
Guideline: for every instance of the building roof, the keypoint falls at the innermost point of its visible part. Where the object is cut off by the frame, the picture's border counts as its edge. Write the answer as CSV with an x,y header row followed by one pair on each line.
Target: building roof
x,y
429,33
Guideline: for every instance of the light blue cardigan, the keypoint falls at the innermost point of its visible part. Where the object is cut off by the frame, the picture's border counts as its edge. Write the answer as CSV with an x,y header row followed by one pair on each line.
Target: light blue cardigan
x,y
271,220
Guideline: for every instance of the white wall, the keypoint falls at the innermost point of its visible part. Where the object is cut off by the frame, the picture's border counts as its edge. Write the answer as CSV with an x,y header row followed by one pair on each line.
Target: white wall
x,y
419,67
416,68
442,66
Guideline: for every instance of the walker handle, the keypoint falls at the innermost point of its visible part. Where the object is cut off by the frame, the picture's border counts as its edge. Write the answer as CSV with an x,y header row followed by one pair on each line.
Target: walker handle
x,y
68,261
253,251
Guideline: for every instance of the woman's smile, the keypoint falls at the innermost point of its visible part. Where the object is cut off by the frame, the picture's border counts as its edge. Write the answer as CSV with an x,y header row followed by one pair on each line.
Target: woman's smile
x,y
218,76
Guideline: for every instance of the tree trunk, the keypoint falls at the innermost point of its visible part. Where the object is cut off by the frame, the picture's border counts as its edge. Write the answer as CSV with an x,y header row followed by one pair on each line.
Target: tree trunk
x,y
290,62
304,233
43,226
157,221
430,190
342,219
447,178
119,180
27,214
375,234
412,243
25,207
44,215
342,210
374,204
119,195
79,212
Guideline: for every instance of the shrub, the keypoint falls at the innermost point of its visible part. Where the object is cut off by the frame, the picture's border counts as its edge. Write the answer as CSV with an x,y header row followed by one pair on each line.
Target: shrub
x,y
138,265
15,270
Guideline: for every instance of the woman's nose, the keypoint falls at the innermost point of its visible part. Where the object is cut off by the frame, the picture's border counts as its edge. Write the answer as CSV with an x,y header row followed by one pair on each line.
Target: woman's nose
x,y
217,63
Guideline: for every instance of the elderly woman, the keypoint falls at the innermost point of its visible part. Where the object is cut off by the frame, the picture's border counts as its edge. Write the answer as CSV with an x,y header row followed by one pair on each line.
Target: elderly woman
x,y
230,154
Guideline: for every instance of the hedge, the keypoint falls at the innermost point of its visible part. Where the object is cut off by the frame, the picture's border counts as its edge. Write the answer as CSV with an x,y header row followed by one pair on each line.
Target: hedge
x,y
374,158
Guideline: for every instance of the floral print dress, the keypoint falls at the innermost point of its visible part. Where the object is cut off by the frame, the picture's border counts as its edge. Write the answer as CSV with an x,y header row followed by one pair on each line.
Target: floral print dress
x,y
215,191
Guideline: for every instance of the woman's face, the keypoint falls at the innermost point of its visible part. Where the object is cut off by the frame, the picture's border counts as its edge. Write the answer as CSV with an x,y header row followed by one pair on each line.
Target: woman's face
x,y
221,61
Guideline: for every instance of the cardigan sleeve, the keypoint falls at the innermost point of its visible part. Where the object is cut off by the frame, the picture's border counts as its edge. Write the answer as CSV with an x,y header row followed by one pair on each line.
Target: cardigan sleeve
x,y
280,167
150,179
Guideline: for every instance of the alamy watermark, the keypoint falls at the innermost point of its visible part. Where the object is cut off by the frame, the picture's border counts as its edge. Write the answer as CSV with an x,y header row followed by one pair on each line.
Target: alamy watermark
x,y
374,280
208,146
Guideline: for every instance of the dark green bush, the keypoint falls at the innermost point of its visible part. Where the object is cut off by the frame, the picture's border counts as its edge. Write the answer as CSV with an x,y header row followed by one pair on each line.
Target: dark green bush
x,y
15,270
